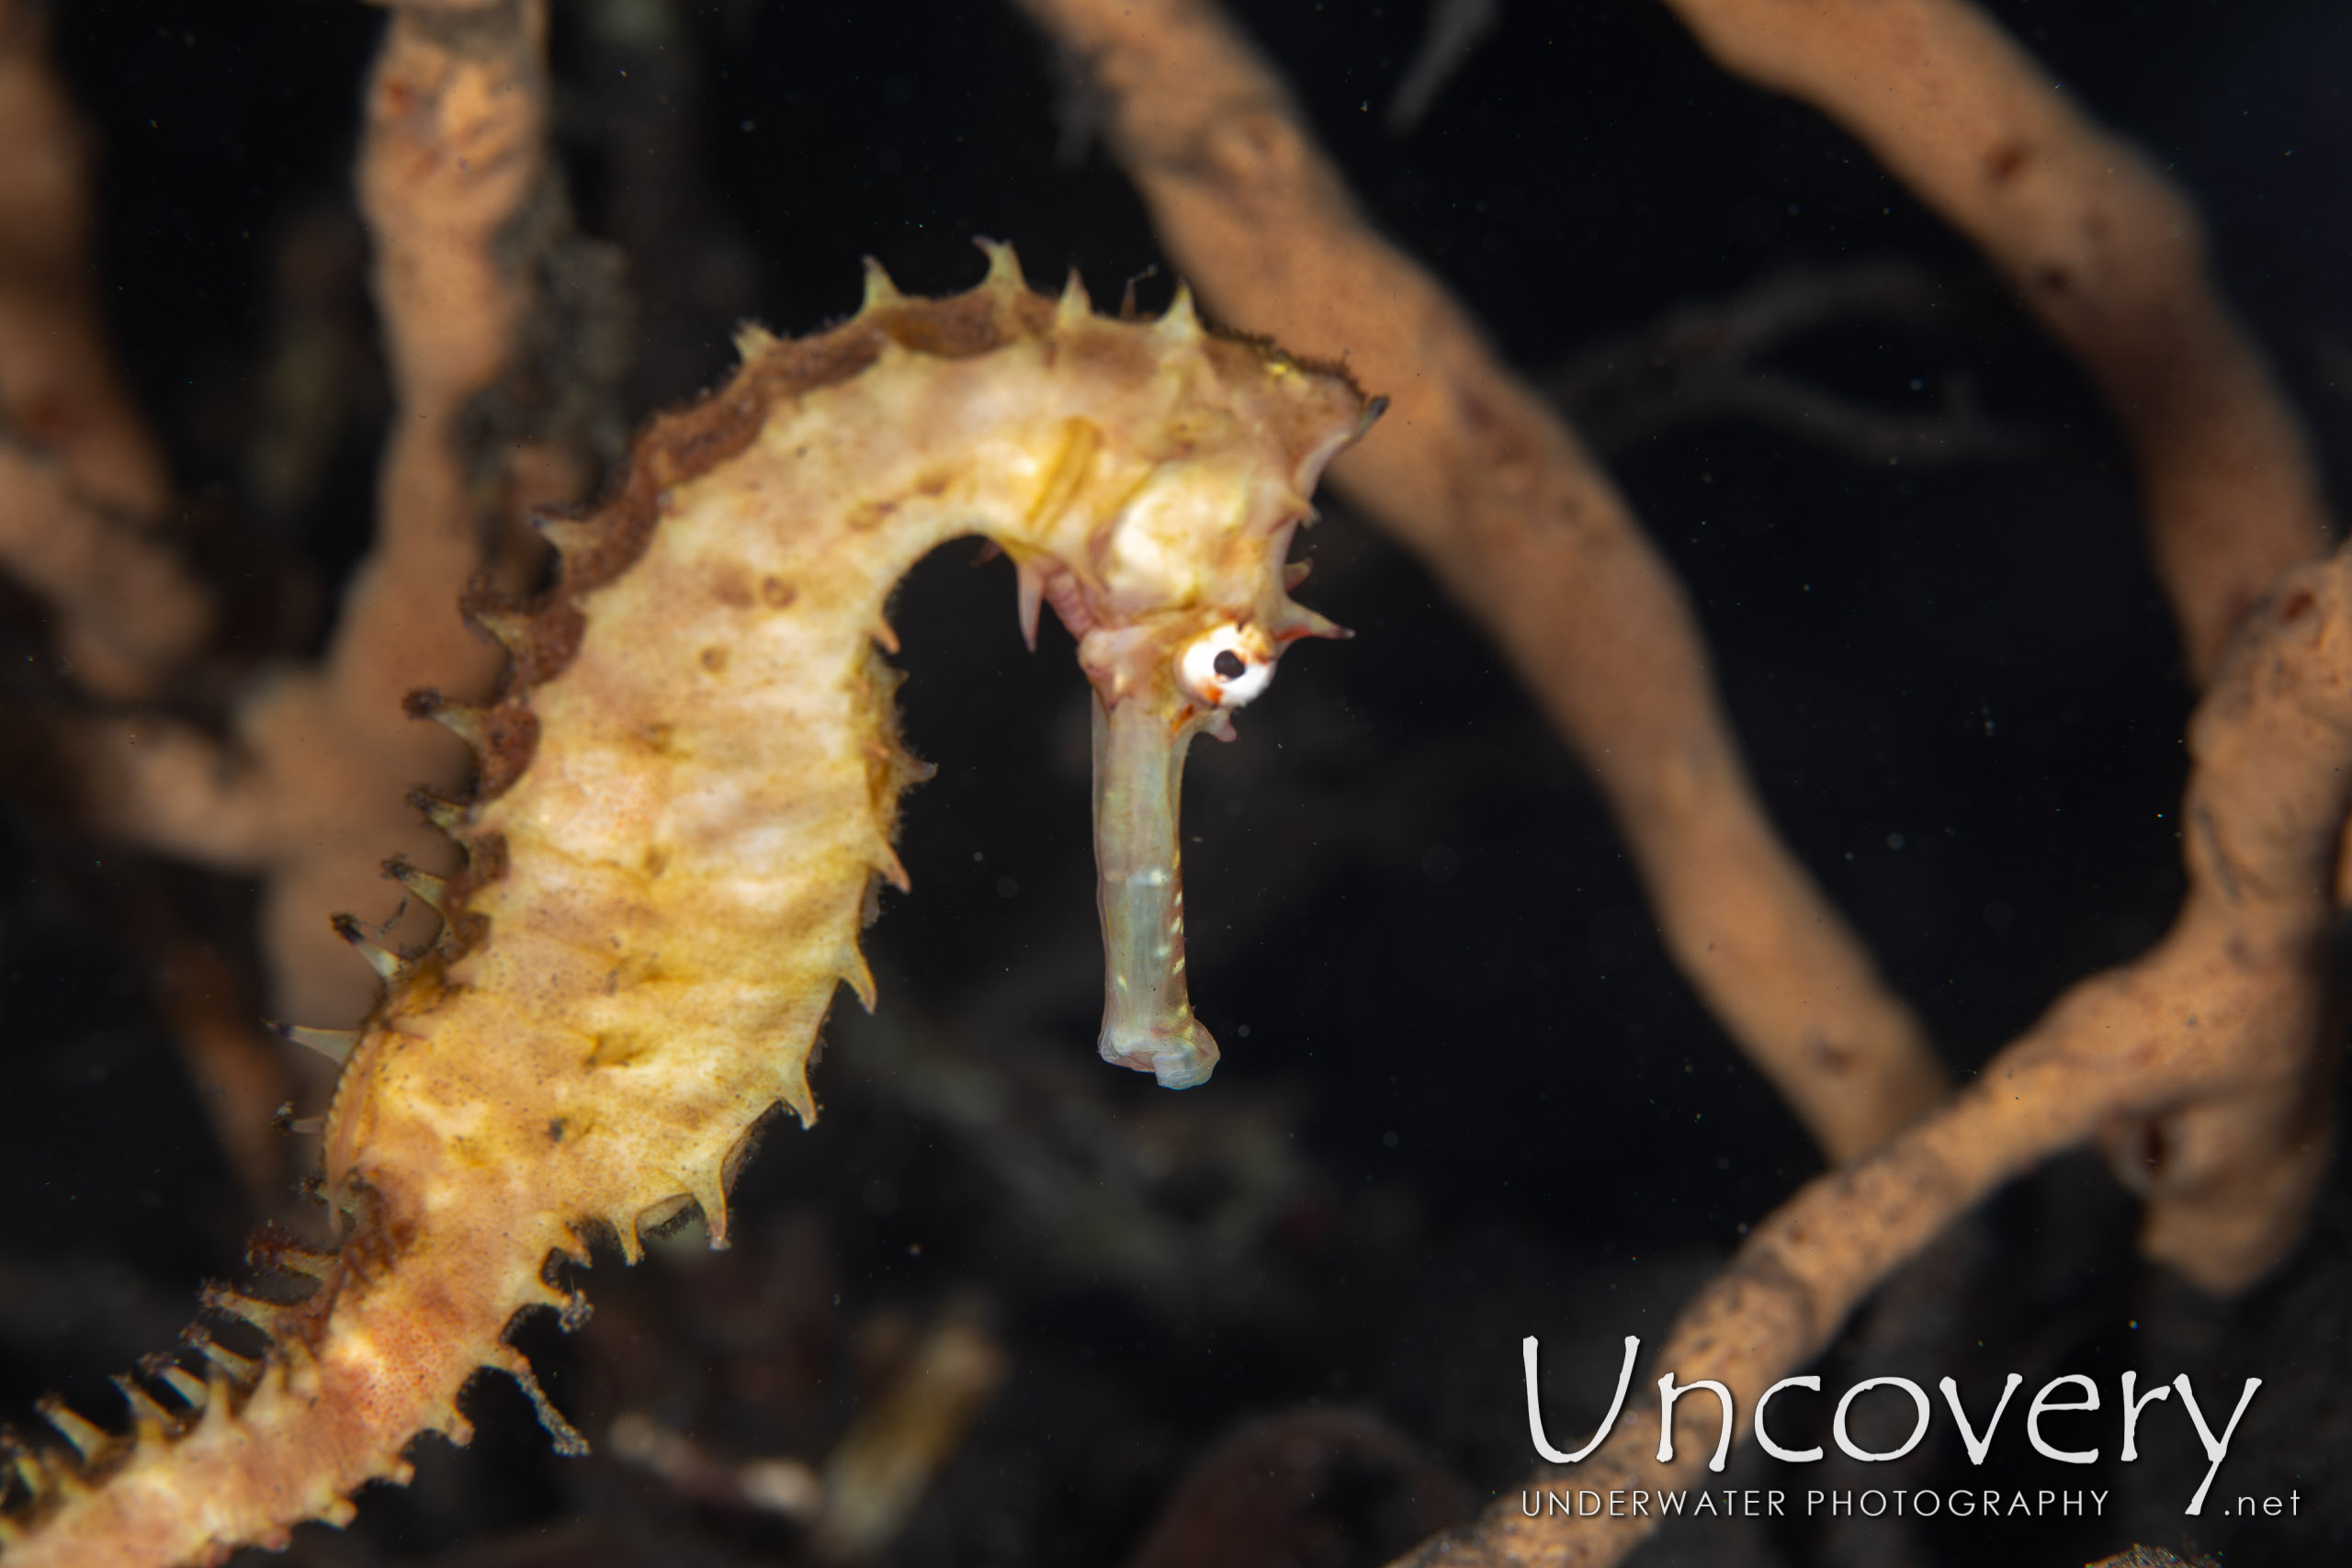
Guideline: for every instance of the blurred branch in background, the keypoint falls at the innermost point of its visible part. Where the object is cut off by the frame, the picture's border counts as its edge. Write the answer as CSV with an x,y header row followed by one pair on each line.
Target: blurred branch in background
x,y
1700,363
507,340
2205,1068
86,515
2098,244
1306,1486
84,495
506,335
2225,1130
1456,29
1504,506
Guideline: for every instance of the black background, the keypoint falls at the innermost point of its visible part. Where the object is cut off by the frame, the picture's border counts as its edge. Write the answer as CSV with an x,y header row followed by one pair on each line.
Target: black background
x,y
1956,682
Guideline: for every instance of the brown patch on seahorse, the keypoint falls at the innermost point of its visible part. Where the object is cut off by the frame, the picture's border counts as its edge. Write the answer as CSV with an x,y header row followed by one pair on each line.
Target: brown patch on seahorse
x,y
731,585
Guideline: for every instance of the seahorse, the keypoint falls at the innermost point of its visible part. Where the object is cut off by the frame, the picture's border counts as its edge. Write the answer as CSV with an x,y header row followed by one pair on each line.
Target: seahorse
x,y
687,796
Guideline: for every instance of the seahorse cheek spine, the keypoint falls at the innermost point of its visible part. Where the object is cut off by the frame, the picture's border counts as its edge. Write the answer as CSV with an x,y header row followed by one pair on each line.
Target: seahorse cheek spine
x,y
690,786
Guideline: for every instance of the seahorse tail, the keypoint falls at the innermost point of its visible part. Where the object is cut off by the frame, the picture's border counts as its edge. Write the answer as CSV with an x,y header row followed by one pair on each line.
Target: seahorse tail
x,y
397,1323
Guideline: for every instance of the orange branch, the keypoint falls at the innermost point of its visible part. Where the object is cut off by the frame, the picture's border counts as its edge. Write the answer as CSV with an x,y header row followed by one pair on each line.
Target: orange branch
x,y
2098,244
2206,1065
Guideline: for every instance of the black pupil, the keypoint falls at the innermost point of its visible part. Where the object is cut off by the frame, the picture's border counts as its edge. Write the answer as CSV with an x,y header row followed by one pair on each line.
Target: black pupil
x,y
1229,665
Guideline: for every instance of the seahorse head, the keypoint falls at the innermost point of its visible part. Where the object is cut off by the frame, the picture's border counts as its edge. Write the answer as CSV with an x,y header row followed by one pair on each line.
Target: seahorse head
x,y
1178,594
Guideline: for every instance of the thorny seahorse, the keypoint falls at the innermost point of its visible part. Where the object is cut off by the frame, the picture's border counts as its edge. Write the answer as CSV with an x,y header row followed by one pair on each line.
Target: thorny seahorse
x,y
687,788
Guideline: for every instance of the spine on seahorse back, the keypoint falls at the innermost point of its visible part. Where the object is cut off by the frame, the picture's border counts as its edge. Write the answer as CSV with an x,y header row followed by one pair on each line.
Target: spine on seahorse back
x,y
687,791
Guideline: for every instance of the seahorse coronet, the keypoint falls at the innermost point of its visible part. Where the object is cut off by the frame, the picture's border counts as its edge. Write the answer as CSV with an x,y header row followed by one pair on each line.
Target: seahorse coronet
x,y
687,790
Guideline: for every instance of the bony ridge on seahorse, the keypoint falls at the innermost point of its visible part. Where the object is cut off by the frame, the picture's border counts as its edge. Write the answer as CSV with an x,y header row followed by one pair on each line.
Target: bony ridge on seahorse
x,y
688,787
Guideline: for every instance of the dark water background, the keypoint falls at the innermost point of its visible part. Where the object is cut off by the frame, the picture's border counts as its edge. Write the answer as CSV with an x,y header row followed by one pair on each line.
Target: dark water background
x,y
1474,1101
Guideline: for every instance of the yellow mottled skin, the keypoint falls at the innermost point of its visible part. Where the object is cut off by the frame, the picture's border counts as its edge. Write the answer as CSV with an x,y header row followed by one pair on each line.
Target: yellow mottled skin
x,y
665,898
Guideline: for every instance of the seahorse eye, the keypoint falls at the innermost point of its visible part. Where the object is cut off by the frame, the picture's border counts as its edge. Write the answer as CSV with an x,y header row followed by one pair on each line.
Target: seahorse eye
x,y
1226,668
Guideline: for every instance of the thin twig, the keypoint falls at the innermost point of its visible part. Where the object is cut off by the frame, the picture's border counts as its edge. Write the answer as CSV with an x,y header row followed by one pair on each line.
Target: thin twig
x,y
1701,363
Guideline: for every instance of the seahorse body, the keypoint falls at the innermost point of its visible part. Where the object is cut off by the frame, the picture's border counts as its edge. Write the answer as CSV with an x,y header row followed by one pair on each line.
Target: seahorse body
x,y
688,789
